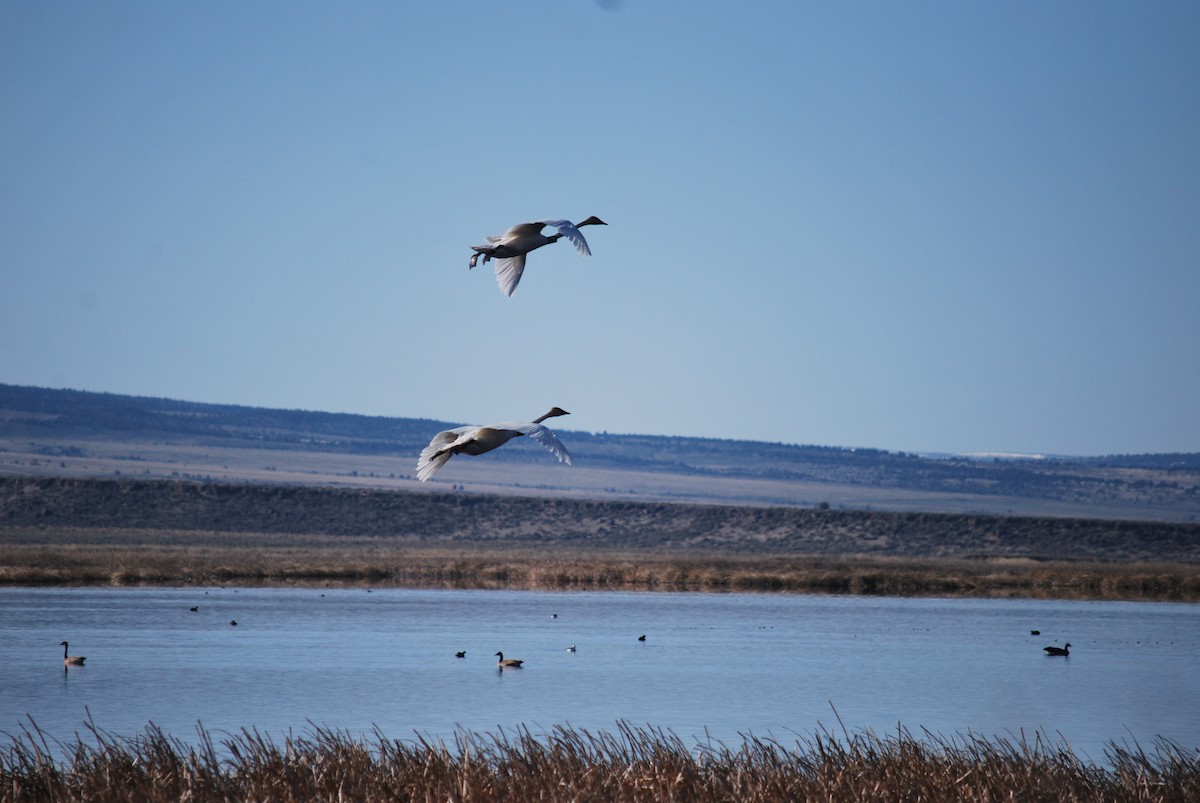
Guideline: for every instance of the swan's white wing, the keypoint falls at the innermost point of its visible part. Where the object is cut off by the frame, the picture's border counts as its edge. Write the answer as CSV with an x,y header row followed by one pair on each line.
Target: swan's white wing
x,y
542,435
567,229
433,457
522,231
546,438
508,273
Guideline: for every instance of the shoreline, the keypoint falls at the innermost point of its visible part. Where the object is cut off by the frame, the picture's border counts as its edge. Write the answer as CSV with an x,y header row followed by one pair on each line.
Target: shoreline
x,y
126,558
168,533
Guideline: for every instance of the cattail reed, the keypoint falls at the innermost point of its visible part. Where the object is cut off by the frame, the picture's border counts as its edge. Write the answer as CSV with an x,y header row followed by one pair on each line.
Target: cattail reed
x,y
630,763
173,558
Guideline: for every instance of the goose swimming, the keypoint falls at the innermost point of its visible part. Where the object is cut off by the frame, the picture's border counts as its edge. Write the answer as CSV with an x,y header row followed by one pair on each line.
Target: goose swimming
x,y
476,440
508,663
1064,650
71,660
509,249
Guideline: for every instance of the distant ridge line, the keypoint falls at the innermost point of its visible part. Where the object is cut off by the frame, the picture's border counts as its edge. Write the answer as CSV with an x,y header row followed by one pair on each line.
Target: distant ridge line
x,y
47,429
128,411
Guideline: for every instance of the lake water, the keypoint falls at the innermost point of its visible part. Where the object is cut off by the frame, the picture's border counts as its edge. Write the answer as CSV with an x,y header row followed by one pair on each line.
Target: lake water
x,y
719,665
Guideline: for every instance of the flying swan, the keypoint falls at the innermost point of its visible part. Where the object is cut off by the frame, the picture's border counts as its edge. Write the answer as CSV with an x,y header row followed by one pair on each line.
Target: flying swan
x,y
475,440
509,249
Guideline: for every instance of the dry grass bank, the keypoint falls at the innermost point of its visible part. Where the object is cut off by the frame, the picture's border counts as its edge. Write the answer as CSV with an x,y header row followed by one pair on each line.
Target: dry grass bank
x,y
632,764
122,558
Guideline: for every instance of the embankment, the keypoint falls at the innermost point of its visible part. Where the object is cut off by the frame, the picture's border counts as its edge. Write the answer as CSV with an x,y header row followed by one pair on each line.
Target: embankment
x,y
446,519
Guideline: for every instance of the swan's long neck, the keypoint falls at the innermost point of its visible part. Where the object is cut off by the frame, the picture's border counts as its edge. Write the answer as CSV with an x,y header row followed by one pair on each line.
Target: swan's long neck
x,y
553,412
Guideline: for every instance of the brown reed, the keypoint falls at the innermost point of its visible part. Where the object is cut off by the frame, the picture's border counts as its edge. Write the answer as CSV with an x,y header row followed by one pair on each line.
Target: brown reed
x,y
629,764
187,558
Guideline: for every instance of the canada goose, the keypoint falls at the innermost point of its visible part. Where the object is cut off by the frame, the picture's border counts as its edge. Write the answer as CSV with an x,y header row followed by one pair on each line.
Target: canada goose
x,y
1064,650
509,249
460,654
475,440
508,663
72,660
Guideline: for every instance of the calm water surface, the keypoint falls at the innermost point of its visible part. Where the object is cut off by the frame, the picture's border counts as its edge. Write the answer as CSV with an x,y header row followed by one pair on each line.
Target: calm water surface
x,y
721,665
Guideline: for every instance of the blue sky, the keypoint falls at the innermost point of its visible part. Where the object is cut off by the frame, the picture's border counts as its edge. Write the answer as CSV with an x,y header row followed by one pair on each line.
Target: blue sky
x,y
920,226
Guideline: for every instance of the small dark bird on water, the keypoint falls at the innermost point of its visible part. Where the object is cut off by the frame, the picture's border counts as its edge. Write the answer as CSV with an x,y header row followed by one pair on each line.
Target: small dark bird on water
x,y
461,654
194,608
233,622
1064,650
1035,632
642,637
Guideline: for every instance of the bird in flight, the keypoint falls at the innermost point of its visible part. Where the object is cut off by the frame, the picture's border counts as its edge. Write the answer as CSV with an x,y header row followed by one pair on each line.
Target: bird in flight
x,y
476,440
509,249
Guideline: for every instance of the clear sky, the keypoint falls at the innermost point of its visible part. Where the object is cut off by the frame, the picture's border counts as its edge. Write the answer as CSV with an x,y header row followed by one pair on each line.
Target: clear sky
x,y
915,226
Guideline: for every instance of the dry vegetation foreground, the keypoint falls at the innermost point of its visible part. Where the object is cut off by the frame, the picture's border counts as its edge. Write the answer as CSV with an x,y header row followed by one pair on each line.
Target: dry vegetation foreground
x,y
59,531
634,764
